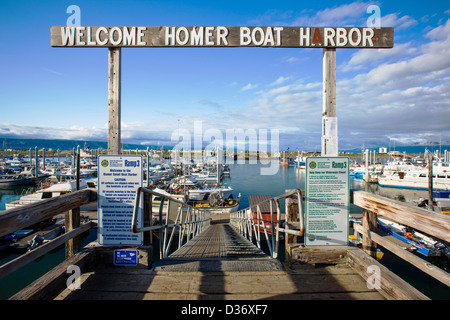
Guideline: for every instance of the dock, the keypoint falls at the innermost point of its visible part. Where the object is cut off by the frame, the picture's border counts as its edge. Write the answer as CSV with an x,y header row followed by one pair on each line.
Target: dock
x,y
220,264
220,259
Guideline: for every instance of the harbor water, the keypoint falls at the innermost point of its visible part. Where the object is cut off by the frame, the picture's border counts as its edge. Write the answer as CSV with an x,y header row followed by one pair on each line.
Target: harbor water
x,y
246,179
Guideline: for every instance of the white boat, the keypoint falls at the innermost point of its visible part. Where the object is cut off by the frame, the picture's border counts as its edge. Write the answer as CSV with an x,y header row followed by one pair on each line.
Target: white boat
x,y
400,165
197,191
299,162
417,180
156,201
53,191
205,175
69,174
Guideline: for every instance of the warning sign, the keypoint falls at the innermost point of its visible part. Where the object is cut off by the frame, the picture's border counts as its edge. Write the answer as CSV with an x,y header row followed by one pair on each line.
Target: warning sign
x,y
119,177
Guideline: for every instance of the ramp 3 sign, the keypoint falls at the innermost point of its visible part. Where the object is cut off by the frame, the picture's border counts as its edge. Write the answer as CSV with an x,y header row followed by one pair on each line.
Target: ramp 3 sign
x,y
327,201
118,179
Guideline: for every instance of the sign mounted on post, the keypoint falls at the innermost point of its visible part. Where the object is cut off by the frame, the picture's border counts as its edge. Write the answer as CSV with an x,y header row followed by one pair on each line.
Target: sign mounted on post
x,y
118,179
125,257
219,36
327,201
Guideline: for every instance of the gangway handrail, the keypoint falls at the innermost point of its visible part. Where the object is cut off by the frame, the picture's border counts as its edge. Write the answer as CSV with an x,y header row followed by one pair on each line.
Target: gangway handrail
x,y
194,220
247,226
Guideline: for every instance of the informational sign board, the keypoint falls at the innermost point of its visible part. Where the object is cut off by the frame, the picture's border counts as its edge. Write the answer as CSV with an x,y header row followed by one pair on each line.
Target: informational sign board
x,y
327,201
125,257
118,179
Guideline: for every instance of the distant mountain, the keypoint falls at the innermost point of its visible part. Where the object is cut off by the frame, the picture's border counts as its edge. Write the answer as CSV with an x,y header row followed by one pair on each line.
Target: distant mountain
x,y
26,144
408,149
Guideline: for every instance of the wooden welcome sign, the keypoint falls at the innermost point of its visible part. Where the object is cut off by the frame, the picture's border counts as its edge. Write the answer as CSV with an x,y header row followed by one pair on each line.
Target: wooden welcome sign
x,y
326,38
203,36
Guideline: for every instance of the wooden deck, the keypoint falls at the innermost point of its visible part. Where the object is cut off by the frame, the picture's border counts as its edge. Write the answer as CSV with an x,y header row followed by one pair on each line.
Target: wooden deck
x,y
219,264
223,265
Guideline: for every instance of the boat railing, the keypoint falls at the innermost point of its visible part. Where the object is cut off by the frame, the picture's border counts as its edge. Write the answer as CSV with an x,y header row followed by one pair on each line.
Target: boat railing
x,y
251,223
174,217
22,217
429,222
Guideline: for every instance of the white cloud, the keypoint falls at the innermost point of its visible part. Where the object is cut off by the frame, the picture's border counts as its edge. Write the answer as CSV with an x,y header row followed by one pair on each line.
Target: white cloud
x,y
292,59
279,81
348,14
404,95
44,132
393,20
249,87
366,58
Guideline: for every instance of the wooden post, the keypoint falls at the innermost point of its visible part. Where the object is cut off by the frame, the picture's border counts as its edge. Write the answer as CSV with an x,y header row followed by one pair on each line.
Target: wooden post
x,y
114,97
36,162
78,168
148,217
72,221
72,217
430,182
329,120
291,216
369,223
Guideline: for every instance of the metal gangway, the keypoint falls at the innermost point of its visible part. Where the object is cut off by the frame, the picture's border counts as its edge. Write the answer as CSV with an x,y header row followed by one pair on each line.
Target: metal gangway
x,y
199,238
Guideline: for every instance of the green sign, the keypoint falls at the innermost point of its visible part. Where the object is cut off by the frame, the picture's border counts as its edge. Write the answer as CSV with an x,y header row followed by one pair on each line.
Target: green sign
x,y
327,201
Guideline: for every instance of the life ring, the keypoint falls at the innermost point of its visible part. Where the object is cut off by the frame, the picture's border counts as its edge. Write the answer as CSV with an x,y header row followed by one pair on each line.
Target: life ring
x,y
46,184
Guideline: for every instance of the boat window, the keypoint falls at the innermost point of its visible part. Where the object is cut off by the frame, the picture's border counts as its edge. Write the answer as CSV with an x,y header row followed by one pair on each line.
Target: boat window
x,y
46,195
422,175
441,176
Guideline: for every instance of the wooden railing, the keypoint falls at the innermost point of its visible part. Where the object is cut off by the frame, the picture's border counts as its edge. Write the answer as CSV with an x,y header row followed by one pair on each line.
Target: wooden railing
x,y
22,217
429,222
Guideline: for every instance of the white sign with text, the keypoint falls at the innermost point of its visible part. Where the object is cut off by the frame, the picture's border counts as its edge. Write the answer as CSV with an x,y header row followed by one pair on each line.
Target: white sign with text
x,y
327,201
119,177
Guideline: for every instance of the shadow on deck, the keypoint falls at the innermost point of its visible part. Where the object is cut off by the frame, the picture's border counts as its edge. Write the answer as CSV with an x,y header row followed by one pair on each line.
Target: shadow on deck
x,y
230,269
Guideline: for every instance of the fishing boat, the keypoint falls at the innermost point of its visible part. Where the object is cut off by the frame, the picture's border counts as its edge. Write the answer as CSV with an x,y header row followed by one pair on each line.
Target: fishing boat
x,y
51,191
17,179
400,165
70,174
216,204
299,162
156,201
205,175
195,190
421,243
417,180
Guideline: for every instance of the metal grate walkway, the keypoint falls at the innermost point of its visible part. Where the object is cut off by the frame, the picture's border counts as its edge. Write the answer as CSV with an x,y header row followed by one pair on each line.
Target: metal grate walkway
x,y
219,248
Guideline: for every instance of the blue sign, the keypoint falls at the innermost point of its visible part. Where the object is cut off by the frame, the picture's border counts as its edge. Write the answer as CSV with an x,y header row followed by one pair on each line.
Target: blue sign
x,y
125,257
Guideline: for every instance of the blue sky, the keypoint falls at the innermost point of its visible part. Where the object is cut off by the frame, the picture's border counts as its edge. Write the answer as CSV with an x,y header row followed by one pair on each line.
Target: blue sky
x,y
384,96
